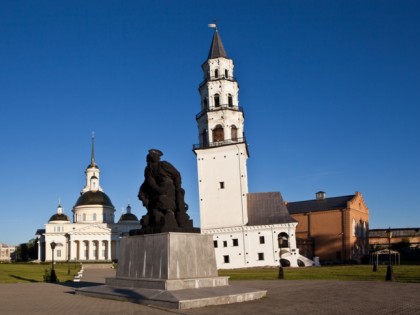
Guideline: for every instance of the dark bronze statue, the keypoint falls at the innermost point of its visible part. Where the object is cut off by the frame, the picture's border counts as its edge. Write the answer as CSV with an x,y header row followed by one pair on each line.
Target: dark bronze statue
x,y
162,195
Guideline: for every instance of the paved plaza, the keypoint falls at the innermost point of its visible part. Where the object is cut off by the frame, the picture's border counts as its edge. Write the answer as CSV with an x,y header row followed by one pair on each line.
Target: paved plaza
x,y
284,297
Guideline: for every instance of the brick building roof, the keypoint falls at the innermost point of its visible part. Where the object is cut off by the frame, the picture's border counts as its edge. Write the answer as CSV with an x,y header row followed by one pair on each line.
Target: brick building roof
x,y
314,205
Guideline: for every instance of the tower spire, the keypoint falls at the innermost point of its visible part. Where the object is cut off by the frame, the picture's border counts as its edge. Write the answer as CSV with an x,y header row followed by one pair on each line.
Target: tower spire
x,y
92,172
92,159
216,49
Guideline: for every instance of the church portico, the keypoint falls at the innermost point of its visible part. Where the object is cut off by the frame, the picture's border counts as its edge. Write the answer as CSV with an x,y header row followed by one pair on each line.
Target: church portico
x,y
91,243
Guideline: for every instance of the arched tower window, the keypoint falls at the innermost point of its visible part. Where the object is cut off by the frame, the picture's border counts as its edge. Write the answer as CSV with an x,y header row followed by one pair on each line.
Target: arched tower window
x,y
216,100
230,100
216,73
227,74
283,240
218,134
234,133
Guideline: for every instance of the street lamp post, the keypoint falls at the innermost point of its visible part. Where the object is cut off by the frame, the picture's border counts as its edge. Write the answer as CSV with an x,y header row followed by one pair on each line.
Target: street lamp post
x,y
67,235
281,271
53,277
389,272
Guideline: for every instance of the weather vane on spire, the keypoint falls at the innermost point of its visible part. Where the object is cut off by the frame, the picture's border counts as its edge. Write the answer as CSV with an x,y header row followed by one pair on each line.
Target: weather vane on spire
x,y
213,25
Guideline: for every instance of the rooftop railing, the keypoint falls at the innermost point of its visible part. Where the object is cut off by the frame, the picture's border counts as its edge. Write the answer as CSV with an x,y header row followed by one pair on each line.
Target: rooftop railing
x,y
218,143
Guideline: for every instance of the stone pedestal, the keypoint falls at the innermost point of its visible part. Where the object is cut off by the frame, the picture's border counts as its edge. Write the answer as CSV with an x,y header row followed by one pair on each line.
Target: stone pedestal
x,y
167,261
175,270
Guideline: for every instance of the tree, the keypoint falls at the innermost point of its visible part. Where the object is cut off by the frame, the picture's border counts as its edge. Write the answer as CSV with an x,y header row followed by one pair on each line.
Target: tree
x,y
27,251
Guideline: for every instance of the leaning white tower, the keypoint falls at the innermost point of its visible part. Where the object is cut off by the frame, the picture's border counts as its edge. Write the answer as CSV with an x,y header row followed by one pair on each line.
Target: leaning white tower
x,y
222,151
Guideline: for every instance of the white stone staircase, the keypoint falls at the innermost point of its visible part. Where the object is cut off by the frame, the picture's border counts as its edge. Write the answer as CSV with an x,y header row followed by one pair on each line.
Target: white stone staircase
x,y
308,262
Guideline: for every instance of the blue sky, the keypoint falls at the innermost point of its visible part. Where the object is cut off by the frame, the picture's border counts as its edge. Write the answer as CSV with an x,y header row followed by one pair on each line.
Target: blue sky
x,y
330,91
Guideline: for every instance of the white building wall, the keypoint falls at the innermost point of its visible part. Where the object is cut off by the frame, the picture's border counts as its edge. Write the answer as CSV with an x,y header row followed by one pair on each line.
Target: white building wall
x,y
253,246
94,214
223,186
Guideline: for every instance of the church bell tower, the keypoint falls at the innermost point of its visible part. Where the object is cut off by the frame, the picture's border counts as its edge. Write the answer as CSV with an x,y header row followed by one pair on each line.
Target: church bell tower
x,y
222,151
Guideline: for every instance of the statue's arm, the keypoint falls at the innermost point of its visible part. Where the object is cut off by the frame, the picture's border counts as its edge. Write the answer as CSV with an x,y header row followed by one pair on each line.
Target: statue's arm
x,y
150,181
173,172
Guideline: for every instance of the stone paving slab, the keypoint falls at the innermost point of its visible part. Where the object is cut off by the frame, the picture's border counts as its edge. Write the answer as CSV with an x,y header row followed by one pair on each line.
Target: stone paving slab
x,y
283,297
325,297
176,299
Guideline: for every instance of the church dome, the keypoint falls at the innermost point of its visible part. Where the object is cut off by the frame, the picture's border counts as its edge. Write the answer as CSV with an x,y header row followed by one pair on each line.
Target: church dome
x,y
94,198
128,217
59,217
92,165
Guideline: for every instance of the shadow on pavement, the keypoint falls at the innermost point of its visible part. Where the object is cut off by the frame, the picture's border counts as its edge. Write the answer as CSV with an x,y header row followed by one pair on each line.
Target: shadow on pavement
x,y
20,278
78,285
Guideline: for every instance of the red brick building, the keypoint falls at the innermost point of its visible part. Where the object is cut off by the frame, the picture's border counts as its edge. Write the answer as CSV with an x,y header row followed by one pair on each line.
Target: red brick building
x,y
334,229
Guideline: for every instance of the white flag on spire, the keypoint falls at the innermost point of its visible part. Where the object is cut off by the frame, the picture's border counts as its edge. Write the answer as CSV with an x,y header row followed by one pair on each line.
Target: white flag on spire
x,y
212,25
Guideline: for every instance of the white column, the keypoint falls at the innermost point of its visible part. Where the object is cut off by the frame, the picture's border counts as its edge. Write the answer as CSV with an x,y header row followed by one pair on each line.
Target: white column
x,y
89,251
93,250
108,249
77,249
86,250
39,249
72,249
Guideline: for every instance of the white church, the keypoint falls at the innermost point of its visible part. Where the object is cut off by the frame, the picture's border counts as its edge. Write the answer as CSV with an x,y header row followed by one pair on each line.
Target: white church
x,y
249,229
92,235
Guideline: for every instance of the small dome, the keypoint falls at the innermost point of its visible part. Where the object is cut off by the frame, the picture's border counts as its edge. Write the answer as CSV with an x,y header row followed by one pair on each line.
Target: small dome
x,y
94,198
59,217
128,217
92,165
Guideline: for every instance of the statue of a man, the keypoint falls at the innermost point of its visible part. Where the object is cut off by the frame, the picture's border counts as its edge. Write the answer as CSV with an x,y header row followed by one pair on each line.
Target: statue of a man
x,y
162,195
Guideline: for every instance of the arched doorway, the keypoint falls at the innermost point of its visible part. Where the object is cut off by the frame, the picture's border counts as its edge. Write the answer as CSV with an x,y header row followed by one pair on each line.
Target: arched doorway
x,y
283,240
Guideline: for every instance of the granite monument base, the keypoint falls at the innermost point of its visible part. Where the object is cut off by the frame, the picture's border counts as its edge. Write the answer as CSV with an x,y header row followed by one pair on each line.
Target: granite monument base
x,y
173,270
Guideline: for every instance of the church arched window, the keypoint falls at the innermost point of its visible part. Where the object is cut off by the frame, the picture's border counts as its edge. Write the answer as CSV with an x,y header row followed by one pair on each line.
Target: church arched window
x,y
234,133
218,134
230,100
216,100
226,73
216,73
